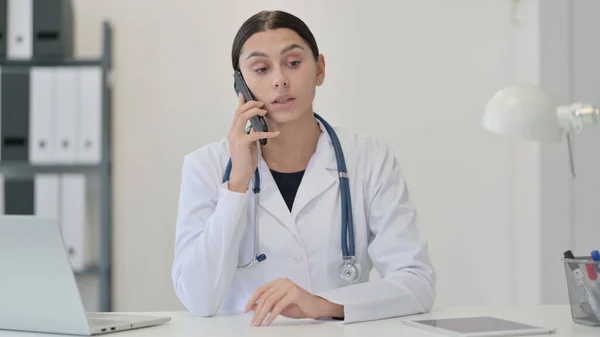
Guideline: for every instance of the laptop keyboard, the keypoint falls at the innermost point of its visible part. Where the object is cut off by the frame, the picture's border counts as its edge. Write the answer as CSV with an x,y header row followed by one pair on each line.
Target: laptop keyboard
x,y
98,319
97,322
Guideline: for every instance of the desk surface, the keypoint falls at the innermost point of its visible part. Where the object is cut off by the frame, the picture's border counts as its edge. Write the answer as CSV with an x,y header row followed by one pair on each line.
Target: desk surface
x,y
182,324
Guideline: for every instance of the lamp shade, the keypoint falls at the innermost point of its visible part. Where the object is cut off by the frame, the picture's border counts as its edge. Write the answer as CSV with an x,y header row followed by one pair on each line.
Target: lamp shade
x,y
524,111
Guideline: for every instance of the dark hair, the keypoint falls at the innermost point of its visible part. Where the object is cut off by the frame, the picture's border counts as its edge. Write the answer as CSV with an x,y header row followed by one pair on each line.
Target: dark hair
x,y
265,20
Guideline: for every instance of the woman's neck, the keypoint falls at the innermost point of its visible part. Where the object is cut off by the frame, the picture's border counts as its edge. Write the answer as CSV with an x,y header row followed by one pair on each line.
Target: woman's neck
x,y
292,149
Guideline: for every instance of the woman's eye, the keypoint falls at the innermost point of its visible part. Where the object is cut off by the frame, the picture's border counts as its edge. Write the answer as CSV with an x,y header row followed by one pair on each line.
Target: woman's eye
x,y
294,63
261,70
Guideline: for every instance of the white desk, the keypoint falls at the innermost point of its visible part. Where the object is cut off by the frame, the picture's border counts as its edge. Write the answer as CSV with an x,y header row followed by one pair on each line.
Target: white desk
x,y
182,324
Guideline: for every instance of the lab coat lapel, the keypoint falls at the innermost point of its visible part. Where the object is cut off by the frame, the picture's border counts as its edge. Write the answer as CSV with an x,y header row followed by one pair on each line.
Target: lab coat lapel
x,y
320,174
271,199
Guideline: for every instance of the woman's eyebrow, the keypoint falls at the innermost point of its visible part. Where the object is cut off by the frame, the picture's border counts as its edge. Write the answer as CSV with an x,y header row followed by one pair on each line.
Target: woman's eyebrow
x,y
257,54
283,51
290,47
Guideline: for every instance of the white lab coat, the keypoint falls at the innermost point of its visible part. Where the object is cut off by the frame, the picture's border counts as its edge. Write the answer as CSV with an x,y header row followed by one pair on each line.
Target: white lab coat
x,y
214,233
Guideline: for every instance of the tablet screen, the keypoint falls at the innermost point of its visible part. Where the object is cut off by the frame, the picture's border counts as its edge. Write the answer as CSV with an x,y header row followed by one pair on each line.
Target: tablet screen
x,y
476,324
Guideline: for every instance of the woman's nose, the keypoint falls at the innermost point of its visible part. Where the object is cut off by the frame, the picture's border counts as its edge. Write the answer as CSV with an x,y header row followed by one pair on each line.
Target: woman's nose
x,y
281,81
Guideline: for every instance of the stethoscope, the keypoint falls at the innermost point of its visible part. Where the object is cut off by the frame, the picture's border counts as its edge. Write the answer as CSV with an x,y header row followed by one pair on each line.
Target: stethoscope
x,y
350,270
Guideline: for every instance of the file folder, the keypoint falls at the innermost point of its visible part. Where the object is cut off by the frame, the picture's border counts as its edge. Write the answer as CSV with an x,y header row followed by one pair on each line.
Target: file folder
x,y
1,176
73,219
42,138
93,203
52,29
2,201
19,29
3,27
19,196
67,91
14,119
47,193
90,116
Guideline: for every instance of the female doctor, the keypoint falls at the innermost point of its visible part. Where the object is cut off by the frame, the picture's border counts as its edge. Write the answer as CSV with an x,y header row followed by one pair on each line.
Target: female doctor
x,y
294,226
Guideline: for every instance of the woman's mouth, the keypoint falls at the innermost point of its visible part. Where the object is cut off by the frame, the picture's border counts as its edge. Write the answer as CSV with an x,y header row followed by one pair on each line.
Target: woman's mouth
x,y
283,101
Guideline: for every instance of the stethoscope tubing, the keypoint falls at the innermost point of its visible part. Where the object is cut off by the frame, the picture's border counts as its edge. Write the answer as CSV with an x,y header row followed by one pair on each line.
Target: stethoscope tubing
x,y
348,249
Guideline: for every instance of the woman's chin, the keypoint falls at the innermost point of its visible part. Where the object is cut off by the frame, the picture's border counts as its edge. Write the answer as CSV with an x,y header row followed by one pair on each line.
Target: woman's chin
x,y
284,116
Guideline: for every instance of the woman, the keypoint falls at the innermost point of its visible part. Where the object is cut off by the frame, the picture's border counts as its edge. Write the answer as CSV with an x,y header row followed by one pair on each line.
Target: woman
x,y
298,217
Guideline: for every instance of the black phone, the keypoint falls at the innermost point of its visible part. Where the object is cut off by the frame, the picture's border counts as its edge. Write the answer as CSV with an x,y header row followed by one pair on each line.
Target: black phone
x,y
257,122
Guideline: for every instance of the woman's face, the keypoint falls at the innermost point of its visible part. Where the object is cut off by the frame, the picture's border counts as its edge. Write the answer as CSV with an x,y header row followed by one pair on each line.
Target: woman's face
x,y
280,70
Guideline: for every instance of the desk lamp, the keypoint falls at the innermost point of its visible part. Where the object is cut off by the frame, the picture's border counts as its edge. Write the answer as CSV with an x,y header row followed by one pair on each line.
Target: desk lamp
x,y
528,112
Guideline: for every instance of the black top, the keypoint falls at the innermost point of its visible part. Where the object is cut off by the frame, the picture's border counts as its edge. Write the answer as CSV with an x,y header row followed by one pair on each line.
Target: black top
x,y
288,184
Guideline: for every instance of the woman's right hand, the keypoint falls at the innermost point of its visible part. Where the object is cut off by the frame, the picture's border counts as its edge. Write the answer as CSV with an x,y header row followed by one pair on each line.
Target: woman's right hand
x,y
243,147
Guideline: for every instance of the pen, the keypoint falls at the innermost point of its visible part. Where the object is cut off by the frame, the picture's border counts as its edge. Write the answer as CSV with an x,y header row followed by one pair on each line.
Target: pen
x,y
596,257
579,279
591,267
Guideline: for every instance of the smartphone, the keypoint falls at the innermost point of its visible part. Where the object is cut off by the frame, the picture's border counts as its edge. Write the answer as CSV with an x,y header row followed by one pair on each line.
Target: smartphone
x,y
257,122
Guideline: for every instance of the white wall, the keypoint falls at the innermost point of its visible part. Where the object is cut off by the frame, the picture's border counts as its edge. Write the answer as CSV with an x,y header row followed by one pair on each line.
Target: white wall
x,y
415,73
586,75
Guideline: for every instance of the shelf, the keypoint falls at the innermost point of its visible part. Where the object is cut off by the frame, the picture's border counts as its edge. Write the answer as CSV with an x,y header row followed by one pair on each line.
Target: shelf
x,y
52,62
20,168
16,169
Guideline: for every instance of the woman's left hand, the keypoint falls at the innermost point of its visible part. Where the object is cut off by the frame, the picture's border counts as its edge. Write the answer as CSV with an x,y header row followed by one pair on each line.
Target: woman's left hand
x,y
284,297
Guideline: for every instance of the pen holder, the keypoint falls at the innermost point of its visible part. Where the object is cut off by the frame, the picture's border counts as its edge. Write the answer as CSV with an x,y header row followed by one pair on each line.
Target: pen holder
x,y
583,283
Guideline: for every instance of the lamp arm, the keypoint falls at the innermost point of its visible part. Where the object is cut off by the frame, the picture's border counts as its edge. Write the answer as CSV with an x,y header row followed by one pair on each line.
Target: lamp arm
x,y
572,118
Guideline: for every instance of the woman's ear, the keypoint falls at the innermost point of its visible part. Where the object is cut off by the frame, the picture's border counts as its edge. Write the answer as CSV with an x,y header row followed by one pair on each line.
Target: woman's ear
x,y
320,69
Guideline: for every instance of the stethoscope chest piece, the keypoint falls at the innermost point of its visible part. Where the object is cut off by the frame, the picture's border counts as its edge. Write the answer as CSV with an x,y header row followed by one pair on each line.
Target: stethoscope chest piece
x,y
351,271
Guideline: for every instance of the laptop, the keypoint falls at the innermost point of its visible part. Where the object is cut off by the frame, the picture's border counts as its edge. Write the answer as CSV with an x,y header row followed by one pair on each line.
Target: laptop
x,y
38,289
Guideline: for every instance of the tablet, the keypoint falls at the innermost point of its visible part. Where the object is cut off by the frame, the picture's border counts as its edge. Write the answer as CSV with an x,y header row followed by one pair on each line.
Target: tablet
x,y
479,326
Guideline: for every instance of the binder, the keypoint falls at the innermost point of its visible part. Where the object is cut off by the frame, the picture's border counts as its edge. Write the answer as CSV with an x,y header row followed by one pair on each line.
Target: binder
x,y
19,196
90,116
42,144
3,27
14,120
2,195
66,121
93,204
1,176
46,199
76,233
19,29
52,29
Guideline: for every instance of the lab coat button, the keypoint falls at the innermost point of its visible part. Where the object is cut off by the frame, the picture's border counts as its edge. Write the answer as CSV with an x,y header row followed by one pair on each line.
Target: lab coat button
x,y
296,259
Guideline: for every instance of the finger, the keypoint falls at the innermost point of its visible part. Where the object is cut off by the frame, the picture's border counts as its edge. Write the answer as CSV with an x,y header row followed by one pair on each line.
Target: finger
x,y
268,304
254,136
253,299
262,299
278,308
241,99
238,111
243,108
243,118
248,105
254,111
269,299
257,293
